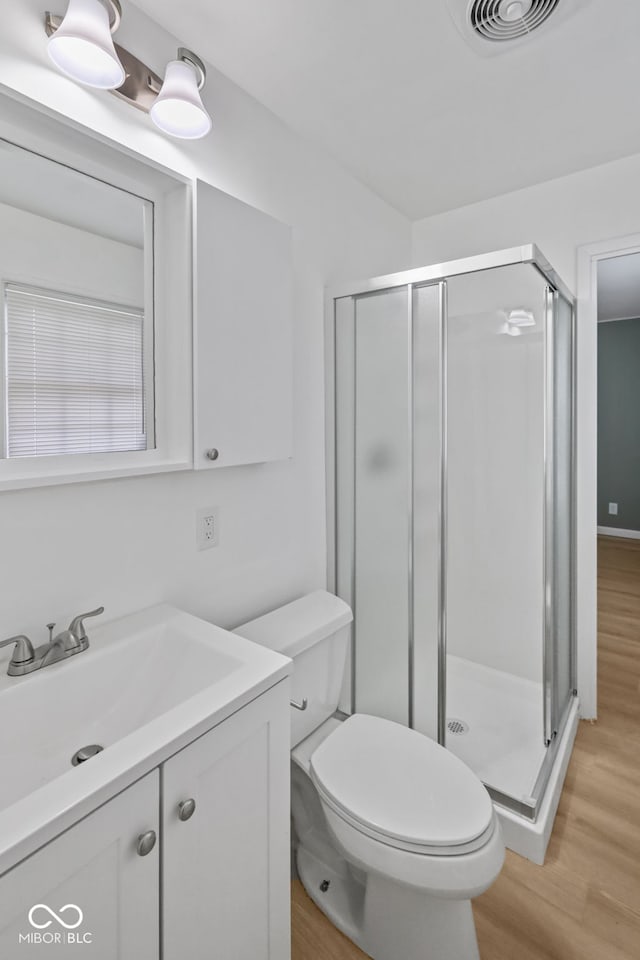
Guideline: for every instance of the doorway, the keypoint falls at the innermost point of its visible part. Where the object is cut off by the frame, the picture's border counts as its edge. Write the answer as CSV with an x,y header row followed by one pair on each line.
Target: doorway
x,y
618,306
618,498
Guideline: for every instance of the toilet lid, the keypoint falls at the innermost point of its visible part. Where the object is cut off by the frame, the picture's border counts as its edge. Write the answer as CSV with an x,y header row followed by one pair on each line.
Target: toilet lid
x,y
400,785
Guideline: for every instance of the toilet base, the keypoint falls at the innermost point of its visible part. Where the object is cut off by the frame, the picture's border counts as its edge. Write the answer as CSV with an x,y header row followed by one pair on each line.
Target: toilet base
x,y
386,919
406,922
342,901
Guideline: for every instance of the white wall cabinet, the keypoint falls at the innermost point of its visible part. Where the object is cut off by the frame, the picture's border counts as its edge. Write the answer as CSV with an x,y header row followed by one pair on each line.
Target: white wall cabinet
x,y
95,867
243,333
224,884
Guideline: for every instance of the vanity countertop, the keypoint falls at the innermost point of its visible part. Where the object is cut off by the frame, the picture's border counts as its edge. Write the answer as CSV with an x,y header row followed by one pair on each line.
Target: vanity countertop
x,y
149,684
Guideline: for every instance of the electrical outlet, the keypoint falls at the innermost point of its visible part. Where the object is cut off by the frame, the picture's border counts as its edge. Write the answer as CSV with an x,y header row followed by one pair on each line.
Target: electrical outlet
x,y
613,509
207,528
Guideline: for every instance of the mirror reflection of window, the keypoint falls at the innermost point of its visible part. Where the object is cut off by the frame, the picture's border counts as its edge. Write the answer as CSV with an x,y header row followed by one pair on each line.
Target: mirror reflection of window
x,y
74,380
77,348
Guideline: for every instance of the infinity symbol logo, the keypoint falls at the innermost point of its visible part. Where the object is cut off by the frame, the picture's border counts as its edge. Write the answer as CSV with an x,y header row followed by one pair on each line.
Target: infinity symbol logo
x,y
56,916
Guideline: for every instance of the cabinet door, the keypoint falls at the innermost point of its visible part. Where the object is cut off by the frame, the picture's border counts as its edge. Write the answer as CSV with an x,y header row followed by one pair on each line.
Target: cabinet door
x,y
243,365
88,889
226,868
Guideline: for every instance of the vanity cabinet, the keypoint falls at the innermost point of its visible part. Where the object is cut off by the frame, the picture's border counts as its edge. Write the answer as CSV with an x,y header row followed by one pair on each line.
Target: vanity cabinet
x,y
94,868
219,813
243,333
226,866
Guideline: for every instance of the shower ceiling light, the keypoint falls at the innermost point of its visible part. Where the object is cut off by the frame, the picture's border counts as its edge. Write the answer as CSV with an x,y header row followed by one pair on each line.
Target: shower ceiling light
x,y
81,46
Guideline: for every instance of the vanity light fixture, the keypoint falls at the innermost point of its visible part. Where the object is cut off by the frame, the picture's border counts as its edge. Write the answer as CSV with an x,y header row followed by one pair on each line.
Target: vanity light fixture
x,y
178,109
81,46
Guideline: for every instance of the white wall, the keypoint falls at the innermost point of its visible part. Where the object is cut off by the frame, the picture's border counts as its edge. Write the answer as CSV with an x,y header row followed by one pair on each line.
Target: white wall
x,y
131,542
560,216
39,251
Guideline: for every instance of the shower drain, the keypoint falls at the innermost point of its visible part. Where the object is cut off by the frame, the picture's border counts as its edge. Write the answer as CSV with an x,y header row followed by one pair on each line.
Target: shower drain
x,y
457,727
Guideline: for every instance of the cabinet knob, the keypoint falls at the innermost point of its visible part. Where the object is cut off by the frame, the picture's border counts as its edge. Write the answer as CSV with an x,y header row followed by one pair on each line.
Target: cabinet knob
x,y
186,809
146,843
213,454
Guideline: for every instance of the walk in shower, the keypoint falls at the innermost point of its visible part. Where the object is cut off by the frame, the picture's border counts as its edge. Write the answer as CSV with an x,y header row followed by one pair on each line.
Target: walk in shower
x,y
451,452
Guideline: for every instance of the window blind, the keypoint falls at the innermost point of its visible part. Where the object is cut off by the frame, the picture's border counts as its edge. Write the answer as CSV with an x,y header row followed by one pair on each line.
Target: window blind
x,y
73,375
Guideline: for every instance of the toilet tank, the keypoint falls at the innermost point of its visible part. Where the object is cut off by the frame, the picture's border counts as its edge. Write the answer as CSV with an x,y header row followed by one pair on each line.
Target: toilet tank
x,y
314,632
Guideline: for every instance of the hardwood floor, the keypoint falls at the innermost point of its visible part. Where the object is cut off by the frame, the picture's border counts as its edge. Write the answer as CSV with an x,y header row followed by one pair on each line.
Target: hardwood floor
x,y
584,904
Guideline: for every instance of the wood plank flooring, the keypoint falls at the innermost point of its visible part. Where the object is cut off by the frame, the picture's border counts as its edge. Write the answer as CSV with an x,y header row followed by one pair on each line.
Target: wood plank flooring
x,y
584,904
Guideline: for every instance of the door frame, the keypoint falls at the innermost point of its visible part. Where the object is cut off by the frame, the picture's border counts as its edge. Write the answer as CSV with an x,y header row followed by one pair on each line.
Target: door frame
x,y
588,257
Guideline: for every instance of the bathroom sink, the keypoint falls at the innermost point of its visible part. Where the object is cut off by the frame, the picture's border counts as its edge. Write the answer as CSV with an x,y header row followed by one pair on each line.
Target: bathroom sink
x,y
148,684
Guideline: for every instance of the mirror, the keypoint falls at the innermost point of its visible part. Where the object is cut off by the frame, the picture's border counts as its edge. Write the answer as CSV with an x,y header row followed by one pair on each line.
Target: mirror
x,y
76,375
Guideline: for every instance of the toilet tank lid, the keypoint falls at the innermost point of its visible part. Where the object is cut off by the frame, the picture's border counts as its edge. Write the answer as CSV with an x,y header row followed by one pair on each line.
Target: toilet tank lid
x,y
298,625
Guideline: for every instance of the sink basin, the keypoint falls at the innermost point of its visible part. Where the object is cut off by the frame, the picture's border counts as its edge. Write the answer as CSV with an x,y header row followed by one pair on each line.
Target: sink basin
x,y
148,684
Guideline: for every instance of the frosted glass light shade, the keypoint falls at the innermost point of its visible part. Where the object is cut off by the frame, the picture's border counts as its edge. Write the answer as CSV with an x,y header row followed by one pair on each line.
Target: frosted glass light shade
x,y
178,109
82,46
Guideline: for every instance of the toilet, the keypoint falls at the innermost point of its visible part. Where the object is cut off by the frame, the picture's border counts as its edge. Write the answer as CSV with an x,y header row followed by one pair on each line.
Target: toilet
x,y
393,834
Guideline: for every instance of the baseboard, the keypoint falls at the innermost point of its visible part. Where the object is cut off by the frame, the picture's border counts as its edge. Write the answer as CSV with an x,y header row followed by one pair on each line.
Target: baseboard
x,y
618,532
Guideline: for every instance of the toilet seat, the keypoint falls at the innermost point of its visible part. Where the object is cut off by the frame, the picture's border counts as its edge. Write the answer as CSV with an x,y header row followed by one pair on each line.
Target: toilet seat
x,y
402,789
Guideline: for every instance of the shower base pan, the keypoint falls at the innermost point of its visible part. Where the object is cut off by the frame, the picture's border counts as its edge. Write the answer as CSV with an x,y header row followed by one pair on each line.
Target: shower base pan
x,y
494,725
530,839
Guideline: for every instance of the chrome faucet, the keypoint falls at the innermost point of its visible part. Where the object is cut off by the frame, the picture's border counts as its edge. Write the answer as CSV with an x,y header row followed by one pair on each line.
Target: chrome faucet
x,y
67,643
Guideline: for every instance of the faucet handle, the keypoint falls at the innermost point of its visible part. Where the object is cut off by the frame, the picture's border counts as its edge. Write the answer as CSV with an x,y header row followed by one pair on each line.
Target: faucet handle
x,y
76,627
23,652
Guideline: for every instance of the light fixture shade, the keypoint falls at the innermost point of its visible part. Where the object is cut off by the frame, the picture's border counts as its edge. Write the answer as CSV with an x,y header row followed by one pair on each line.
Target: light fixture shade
x,y
178,109
82,46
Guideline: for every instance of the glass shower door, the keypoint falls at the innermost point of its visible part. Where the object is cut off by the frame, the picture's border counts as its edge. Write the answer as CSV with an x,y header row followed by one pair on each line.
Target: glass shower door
x,y
382,503
495,599
560,679
388,486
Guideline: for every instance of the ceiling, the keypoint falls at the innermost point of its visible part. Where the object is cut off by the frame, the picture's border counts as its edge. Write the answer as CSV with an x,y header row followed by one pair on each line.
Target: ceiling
x,y
395,94
619,288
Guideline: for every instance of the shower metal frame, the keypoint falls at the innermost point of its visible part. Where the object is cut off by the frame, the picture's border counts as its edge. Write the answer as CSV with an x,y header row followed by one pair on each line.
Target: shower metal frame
x,y
437,275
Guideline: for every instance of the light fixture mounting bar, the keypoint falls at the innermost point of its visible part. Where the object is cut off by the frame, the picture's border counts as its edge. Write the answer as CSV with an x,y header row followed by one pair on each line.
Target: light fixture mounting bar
x,y
141,85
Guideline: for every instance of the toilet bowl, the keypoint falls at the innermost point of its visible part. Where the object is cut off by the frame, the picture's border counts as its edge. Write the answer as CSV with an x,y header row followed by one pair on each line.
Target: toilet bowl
x,y
393,834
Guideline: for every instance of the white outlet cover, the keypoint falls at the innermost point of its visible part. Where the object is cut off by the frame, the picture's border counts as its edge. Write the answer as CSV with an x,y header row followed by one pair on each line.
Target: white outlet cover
x,y
207,528
613,509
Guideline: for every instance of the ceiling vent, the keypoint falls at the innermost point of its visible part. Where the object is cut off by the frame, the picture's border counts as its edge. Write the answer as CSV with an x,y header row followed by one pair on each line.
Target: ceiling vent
x,y
495,26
